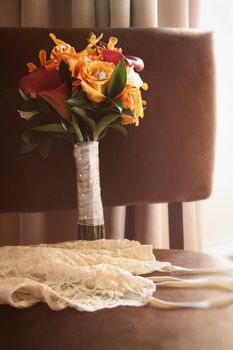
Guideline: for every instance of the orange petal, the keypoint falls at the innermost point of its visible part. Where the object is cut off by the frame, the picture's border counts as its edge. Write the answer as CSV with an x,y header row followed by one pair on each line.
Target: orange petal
x,y
92,94
42,57
144,86
112,42
127,120
56,41
31,67
93,40
52,65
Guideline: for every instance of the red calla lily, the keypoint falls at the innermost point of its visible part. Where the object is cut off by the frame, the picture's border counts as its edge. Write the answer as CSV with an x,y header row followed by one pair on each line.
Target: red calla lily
x,y
39,80
56,98
115,56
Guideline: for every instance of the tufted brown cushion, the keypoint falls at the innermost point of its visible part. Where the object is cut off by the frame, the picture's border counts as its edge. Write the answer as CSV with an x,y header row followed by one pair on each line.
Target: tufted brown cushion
x,y
168,158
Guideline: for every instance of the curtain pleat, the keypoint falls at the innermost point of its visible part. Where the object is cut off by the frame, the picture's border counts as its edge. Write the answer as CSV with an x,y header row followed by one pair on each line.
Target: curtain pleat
x,y
173,13
83,13
144,13
35,13
192,226
10,13
115,222
120,13
194,6
146,223
9,229
47,227
102,13
151,224
60,14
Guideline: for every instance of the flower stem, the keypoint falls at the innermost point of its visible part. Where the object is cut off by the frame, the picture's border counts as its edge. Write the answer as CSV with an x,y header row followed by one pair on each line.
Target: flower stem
x,y
90,232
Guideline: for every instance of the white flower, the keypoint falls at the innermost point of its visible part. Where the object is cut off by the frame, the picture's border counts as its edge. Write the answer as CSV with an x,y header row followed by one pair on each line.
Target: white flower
x,y
27,115
133,78
23,95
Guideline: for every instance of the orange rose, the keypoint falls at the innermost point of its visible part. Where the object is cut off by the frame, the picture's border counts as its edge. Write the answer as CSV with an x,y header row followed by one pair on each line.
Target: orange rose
x,y
94,77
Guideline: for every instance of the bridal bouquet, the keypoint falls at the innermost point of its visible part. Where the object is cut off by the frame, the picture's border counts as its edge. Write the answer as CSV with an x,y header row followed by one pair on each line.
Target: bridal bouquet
x,y
79,96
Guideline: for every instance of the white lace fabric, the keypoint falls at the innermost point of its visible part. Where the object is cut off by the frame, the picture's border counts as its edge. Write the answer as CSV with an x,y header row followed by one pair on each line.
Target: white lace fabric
x,y
92,275
86,275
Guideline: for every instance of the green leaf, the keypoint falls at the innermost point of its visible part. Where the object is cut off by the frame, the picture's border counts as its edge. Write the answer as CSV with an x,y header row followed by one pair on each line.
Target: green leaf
x,y
65,75
64,71
78,95
128,112
43,147
29,105
75,101
118,80
103,123
42,136
103,133
79,100
28,147
83,115
44,107
28,137
96,105
52,128
79,111
120,129
38,133
118,103
108,110
78,134
65,126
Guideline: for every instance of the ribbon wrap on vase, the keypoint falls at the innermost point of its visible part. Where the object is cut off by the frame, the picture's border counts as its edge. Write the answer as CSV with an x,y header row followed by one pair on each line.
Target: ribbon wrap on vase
x,y
90,208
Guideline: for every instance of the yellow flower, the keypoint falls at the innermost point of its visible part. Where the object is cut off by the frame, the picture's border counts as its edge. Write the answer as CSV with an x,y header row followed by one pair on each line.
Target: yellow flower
x,y
62,51
112,42
94,77
132,99
93,40
42,57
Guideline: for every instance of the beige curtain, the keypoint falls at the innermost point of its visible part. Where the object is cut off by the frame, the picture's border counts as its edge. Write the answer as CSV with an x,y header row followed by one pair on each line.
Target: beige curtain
x,y
146,223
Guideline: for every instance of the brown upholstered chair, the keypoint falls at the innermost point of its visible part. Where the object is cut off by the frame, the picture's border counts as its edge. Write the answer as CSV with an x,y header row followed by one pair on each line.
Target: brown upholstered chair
x,y
169,158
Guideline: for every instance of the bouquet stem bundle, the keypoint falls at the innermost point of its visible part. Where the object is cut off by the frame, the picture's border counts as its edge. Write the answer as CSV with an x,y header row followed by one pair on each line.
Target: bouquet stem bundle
x,y
78,97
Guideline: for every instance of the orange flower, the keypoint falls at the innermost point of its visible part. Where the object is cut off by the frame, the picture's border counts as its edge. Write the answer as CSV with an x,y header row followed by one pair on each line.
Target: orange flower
x,y
132,99
92,40
62,51
94,77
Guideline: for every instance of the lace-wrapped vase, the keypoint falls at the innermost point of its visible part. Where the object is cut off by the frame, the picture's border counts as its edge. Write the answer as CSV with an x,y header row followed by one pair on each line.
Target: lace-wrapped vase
x,y
90,208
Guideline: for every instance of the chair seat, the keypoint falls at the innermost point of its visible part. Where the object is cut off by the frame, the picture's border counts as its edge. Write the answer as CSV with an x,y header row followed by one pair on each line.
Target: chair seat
x,y
130,328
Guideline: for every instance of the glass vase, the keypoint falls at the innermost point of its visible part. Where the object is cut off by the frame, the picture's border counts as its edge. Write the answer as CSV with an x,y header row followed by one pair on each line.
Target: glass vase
x,y
90,208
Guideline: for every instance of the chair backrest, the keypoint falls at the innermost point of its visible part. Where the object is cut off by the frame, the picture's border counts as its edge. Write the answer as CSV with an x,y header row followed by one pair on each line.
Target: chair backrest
x,y
168,158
